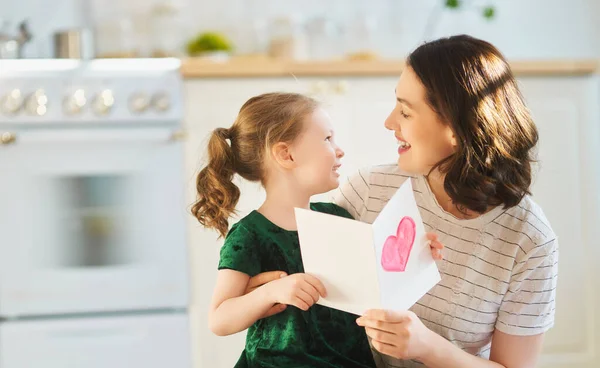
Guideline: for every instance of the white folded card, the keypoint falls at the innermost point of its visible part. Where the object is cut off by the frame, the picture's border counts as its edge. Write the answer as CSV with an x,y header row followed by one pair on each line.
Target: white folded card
x,y
386,265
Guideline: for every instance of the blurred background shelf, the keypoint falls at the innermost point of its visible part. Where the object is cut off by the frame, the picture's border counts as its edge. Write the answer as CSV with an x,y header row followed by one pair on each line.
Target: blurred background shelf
x,y
265,67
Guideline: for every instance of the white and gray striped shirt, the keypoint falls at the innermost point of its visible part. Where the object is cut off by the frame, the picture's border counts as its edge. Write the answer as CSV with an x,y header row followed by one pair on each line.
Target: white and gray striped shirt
x,y
499,270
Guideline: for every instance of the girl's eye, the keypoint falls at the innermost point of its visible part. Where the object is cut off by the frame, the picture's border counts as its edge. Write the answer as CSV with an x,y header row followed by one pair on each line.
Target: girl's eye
x,y
404,115
328,138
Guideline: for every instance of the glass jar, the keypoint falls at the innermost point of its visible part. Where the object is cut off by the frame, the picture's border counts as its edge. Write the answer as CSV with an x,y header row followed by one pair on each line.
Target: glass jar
x,y
360,38
323,39
116,38
288,39
166,30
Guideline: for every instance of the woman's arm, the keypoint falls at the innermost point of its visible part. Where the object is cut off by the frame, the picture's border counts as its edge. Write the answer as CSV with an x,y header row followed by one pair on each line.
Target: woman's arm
x,y
261,279
508,351
231,311
402,335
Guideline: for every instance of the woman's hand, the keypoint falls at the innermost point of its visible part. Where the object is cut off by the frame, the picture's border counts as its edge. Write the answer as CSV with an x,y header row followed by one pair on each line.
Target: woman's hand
x,y
435,245
401,335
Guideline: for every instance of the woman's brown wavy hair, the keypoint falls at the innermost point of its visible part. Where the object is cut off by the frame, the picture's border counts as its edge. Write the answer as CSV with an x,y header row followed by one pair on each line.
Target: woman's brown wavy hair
x,y
262,122
470,86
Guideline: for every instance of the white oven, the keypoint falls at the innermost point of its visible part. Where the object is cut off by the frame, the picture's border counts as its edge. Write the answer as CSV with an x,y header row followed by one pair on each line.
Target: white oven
x,y
92,220
130,341
93,251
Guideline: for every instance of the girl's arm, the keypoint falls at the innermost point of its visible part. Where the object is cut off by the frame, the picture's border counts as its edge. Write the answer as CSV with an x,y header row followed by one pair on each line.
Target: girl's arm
x,y
231,311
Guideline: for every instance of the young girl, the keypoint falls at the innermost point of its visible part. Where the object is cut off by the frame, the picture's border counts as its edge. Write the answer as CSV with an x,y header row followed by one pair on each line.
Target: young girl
x,y
286,142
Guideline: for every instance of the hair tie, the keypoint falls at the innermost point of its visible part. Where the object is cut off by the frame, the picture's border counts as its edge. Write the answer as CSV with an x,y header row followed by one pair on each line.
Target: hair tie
x,y
224,133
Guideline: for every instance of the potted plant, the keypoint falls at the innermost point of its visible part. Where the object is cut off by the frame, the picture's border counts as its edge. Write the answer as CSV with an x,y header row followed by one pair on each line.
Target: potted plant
x,y
488,12
213,45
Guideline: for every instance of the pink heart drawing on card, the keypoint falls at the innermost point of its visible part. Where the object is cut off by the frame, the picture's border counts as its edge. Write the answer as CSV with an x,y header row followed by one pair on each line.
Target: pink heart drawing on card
x,y
396,249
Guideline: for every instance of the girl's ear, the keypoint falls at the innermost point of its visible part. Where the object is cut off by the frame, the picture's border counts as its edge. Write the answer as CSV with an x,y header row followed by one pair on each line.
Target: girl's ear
x,y
282,155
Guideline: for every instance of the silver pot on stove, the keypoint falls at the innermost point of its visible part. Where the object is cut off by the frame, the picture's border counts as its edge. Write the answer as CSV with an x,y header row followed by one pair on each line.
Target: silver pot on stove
x,y
11,44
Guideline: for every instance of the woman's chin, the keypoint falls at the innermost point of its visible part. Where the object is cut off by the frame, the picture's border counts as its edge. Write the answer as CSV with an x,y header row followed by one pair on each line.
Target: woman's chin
x,y
406,167
403,165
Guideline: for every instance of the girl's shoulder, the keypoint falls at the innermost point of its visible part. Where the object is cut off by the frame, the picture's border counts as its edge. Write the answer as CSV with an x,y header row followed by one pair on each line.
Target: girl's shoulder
x,y
241,250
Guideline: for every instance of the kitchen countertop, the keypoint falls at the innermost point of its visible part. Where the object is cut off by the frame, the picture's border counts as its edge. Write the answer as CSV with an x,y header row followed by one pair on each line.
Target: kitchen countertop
x,y
264,67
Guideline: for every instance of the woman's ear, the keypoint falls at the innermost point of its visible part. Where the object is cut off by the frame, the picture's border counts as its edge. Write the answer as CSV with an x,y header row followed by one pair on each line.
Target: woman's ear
x,y
451,137
282,154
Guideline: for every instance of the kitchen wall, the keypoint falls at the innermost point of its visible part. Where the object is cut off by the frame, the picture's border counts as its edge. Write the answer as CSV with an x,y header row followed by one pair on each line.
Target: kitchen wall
x,y
522,29
44,18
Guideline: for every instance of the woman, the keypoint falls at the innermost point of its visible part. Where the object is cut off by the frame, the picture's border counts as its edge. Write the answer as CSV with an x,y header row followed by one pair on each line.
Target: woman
x,y
465,141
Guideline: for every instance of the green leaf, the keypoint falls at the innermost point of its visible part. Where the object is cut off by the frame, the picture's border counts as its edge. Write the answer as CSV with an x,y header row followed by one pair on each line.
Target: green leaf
x,y
488,12
452,4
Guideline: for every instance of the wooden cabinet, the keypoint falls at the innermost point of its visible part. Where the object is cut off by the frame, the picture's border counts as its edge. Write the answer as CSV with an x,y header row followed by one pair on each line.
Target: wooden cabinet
x,y
567,187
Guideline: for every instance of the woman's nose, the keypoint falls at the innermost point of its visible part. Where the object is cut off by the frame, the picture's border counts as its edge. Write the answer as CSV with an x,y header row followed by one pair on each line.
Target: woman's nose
x,y
389,121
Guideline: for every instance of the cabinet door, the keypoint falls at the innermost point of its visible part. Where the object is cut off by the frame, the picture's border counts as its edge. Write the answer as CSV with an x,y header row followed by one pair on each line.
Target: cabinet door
x,y
371,101
565,111
357,106
566,187
211,104
216,103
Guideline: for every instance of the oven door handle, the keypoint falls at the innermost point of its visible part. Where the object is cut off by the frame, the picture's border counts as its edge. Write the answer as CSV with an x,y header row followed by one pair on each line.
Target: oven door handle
x,y
178,136
149,135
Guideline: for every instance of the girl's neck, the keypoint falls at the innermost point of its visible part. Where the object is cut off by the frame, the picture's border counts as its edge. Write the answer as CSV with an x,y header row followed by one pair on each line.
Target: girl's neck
x,y
280,203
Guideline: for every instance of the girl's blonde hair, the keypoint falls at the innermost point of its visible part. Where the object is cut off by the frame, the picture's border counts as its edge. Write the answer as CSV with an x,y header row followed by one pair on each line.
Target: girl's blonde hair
x,y
262,122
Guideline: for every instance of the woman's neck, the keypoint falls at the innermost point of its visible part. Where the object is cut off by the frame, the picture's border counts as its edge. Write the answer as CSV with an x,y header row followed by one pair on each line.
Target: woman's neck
x,y
280,203
436,183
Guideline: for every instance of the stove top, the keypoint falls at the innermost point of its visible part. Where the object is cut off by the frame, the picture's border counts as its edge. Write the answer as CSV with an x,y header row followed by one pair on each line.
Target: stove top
x,y
104,91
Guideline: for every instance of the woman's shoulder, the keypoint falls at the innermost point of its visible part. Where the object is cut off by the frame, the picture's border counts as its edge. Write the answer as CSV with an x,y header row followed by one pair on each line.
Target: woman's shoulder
x,y
385,170
366,191
386,179
388,175
527,222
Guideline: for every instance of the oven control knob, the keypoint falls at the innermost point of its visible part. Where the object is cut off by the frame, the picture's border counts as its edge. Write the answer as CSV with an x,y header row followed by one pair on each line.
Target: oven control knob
x,y
103,102
11,103
73,104
36,103
161,102
139,102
